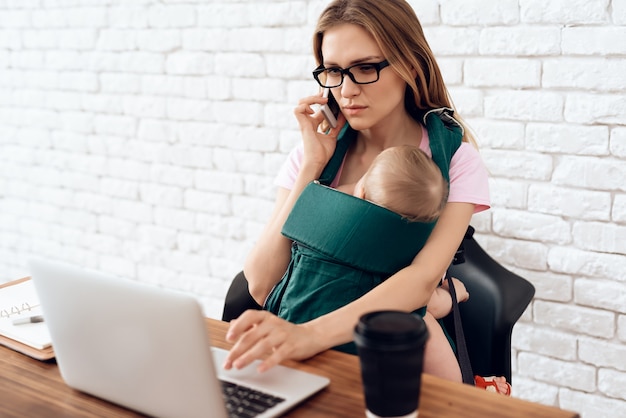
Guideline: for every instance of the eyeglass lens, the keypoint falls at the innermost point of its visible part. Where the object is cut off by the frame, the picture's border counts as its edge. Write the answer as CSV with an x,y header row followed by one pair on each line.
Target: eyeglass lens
x,y
360,74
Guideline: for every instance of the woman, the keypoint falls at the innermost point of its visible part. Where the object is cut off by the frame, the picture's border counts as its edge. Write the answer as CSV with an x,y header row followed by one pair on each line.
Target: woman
x,y
385,79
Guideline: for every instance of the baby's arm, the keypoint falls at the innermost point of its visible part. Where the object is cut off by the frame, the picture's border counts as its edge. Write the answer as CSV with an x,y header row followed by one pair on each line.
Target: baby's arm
x,y
440,303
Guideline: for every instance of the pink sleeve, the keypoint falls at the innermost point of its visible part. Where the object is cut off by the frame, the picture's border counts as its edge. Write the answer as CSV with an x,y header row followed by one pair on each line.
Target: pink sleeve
x,y
469,181
287,174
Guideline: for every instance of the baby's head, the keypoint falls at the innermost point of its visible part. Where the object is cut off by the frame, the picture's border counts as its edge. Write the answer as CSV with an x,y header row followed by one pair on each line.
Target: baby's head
x,y
405,180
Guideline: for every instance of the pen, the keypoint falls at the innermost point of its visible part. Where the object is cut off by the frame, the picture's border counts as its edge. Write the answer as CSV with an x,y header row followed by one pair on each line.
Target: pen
x,y
28,320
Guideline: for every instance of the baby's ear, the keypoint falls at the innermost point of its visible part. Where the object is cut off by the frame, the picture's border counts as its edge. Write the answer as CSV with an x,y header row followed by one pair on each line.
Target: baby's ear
x,y
359,190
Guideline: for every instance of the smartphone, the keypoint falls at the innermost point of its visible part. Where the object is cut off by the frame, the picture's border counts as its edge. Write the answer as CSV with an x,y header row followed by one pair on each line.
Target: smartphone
x,y
331,109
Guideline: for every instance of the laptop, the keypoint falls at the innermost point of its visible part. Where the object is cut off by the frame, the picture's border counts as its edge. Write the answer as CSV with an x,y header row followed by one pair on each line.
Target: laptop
x,y
148,349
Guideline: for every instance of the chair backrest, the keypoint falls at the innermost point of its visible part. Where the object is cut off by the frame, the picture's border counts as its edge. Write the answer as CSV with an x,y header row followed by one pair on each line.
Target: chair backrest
x,y
498,298
238,298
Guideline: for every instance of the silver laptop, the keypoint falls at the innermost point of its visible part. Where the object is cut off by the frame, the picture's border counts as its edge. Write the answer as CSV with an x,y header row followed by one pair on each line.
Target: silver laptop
x,y
148,349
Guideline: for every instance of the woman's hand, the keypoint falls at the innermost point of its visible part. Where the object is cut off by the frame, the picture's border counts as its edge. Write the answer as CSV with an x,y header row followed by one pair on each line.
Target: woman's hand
x,y
263,335
318,146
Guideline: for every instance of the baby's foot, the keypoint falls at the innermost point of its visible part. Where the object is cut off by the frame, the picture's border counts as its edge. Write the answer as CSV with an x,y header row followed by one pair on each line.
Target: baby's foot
x,y
497,384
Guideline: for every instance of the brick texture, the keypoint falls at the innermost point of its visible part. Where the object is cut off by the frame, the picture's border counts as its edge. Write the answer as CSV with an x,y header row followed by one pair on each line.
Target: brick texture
x,y
142,138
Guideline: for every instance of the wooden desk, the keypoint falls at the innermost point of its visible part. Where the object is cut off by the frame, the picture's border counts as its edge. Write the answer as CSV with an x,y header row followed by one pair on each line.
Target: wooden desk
x,y
34,388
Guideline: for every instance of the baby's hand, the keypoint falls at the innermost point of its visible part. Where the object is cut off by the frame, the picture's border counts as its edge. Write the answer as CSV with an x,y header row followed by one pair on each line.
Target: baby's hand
x,y
461,292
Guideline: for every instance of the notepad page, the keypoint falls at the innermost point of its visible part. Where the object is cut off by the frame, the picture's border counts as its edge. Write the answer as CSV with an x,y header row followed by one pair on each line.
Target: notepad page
x,y
17,301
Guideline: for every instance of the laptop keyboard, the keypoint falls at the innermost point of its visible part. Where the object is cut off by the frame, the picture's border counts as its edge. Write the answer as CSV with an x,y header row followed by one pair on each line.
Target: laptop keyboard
x,y
244,402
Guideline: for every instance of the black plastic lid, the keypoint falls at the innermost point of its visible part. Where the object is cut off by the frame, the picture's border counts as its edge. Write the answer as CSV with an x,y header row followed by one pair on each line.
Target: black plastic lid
x,y
390,328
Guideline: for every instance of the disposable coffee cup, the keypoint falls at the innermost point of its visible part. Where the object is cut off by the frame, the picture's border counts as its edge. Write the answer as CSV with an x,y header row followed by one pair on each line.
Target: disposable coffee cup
x,y
390,345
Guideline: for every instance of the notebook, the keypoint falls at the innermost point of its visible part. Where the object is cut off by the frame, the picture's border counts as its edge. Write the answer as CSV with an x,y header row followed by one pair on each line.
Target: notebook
x,y
148,349
19,310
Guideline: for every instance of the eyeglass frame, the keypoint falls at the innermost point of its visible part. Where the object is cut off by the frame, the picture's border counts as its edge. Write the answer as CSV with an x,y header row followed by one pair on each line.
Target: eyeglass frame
x,y
378,66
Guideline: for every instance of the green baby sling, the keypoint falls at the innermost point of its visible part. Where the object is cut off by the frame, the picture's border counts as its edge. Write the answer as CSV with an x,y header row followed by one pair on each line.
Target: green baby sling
x,y
344,246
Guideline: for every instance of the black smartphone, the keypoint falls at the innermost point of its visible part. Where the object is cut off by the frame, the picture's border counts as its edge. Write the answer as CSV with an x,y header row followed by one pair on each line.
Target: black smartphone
x,y
331,109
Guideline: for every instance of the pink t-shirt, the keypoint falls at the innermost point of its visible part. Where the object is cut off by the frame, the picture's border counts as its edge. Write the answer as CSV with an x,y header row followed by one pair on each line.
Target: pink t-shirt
x,y
468,175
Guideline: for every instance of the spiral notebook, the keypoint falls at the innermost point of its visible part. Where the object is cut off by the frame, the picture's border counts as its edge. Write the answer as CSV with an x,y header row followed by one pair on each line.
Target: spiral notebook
x,y
20,326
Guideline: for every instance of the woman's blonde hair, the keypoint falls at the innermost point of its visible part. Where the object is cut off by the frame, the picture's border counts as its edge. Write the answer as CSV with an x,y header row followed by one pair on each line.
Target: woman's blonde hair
x,y
398,33
405,180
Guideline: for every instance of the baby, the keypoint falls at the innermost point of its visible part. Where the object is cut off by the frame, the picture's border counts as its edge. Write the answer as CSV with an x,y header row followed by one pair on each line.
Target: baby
x,y
405,180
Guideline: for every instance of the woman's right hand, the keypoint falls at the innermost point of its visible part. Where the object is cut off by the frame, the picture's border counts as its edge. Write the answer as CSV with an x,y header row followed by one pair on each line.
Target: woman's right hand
x,y
318,146
263,335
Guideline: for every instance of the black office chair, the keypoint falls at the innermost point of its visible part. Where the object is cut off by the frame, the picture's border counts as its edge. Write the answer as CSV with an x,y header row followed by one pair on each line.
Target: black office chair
x,y
498,297
238,299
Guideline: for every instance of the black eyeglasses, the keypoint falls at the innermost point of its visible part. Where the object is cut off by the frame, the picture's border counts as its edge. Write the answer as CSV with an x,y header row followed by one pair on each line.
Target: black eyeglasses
x,y
364,73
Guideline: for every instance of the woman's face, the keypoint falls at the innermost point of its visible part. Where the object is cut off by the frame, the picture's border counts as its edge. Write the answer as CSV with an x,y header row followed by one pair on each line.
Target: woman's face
x,y
363,105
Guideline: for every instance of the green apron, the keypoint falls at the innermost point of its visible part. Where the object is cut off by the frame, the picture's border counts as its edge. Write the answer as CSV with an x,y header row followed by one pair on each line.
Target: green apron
x,y
344,246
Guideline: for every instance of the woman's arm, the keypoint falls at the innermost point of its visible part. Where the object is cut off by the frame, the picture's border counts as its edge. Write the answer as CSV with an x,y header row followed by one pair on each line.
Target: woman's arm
x,y
257,334
269,257
411,287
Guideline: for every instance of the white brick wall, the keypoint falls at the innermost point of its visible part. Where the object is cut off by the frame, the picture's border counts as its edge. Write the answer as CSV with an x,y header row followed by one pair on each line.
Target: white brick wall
x,y
141,138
